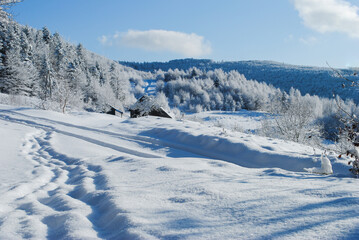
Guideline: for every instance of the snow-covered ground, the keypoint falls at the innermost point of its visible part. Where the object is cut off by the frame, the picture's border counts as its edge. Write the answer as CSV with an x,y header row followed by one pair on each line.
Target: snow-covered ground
x,y
95,176
240,121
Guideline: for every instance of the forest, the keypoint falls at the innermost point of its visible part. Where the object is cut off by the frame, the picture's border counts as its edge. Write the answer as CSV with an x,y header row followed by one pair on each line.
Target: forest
x,y
320,81
40,64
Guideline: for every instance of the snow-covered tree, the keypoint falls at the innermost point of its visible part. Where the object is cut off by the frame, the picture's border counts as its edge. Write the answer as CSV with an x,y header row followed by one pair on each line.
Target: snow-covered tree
x,y
294,118
65,95
349,134
5,5
46,35
21,75
37,63
119,83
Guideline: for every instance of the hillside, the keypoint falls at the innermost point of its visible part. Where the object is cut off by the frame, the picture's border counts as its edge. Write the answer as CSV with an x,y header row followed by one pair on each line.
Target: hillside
x,y
94,176
40,64
322,82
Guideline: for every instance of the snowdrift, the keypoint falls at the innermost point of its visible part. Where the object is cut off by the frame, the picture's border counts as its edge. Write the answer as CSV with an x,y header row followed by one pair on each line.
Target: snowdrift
x,y
241,153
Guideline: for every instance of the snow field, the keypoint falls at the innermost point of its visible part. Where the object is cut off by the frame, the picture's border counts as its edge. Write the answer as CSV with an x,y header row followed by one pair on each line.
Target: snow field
x,y
93,176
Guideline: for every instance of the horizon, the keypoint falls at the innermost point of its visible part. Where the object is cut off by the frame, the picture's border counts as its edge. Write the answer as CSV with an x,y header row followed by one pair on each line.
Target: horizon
x,y
288,32
234,61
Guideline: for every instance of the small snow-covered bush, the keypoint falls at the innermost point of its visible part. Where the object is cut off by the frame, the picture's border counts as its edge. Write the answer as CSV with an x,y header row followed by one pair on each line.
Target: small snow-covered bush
x,y
178,115
349,124
18,100
349,144
326,166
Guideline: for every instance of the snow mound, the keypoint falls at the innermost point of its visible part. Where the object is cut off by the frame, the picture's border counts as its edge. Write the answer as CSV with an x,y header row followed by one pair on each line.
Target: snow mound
x,y
326,166
241,152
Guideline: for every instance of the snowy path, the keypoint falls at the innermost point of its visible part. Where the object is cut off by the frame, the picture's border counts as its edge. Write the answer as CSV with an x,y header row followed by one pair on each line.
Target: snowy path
x,y
66,198
89,177
83,132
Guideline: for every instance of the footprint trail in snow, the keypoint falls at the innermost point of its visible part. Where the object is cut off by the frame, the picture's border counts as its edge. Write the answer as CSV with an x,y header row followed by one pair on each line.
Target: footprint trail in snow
x,y
66,198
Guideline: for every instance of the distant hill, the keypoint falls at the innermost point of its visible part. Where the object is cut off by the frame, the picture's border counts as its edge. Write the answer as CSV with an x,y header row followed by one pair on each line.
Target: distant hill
x,y
313,80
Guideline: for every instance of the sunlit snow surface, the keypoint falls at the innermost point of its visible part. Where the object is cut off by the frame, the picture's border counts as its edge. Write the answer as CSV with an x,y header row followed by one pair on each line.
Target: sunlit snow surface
x,y
96,176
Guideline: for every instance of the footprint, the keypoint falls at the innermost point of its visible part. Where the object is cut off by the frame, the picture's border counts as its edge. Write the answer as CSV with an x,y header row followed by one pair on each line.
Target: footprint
x,y
164,169
179,200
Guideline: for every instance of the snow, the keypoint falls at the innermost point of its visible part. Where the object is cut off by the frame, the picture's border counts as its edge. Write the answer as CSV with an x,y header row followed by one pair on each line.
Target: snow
x,y
241,121
96,176
326,166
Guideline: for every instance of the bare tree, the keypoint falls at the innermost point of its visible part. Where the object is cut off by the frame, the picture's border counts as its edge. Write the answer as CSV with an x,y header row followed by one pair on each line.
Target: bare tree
x,y
66,95
349,129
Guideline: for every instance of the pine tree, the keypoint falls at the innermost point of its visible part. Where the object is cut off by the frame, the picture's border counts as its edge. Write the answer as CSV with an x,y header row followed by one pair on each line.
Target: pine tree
x,y
119,86
46,35
1,56
20,75
46,83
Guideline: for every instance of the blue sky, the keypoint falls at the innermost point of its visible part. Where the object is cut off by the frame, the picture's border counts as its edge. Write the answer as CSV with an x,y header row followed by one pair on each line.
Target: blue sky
x,y
303,32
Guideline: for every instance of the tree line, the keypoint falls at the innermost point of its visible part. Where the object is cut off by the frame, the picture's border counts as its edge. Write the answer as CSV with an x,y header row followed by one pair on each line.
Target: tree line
x,y
41,64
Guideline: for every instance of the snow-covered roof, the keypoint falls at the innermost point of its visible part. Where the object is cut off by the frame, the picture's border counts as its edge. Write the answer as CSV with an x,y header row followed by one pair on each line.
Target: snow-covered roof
x,y
146,104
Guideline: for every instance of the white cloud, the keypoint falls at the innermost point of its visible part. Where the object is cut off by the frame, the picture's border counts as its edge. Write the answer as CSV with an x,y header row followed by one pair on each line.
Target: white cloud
x,y
288,38
189,45
329,16
308,40
104,40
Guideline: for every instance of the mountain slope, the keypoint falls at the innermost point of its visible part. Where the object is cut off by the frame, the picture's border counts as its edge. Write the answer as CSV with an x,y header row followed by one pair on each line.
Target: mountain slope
x,y
322,82
38,63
